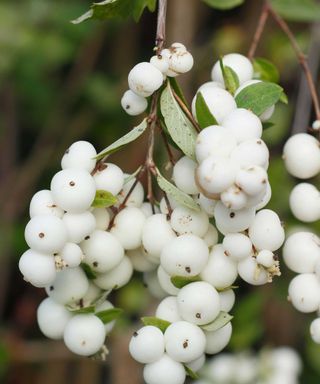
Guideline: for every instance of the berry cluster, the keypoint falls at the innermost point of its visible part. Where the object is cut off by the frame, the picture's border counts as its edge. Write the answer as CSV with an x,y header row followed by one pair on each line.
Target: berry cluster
x,y
281,365
230,184
66,236
146,78
301,251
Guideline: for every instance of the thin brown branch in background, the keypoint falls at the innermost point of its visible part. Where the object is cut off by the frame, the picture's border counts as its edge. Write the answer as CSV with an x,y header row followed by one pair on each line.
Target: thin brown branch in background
x,y
259,31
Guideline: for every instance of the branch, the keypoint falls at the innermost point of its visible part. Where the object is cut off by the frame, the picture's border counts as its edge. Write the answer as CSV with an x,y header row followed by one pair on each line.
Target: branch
x,y
186,111
259,30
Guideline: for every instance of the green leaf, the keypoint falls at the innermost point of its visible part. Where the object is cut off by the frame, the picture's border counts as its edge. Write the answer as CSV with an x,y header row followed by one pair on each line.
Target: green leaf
x,y
109,314
176,87
82,310
204,116
116,8
181,281
88,271
297,10
259,96
224,4
283,98
265,70
103,199
267,124
175,193
227,288
126,139
179,126
222,319
231,79
156,322
191,373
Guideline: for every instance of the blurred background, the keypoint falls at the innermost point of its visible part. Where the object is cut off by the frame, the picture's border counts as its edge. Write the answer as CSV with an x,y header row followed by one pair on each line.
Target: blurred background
x,y
60,83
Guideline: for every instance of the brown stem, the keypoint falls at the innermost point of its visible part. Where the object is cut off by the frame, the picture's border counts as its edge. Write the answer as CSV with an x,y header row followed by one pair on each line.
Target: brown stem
x,y
168,204
259,30
301,58
161,25
186,111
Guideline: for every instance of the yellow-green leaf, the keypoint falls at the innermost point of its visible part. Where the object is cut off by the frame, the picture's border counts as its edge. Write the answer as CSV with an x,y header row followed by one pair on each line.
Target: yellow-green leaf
x,y
204,116
156,322
222,319
103,199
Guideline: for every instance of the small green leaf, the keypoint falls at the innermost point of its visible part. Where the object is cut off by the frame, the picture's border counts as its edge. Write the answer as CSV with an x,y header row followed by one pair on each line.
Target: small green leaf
x,y
88,271
178,125
259,96
175,193
224,4
156,322
297,10
222,319
267,125
204,116
283,98
109,314
103,199
181,281
227,288
176,87
116,8
82,310
265,70
126,139
231,79
191,373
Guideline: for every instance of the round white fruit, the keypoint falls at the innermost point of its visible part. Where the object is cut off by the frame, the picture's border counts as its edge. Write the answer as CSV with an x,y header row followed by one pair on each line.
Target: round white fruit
x,y
79,225
218,340
315,330
105,306
165,370
304,292
251,152
305,202
251,272
71,254
237,245
144,79
102,217
133,104
183,175
109,179
168,309
80,155
165,282
136,196
227,300
184,220
42,203
116,277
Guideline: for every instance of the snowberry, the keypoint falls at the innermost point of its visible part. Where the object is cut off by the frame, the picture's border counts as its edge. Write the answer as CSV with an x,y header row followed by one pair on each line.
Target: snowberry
x,y
152,283
164,371
71,254
237,245
144,79
234,198
136,196
52,318
102,251
127,227
147,345
301,154
73,190
133,104
156,233
92,295
266,231
315,330
198,303
252,180
214,141
218,340
79,225
239,63
164,205
219,101
46,233
185,255
105,306
165,282
168,309
220,271
305,202
207,204
42,204
70,285
304,292
298,244
263,200
209,84
80,155
227,300
266,258
116,277
197,364
229,221
250,271
184,342
244,124
140,261
183,175
221,369
109,179
180,61
102,217
188,221
149,209
251,152
316,125
37,268
214,175
160,62
211,236
286,360
84,334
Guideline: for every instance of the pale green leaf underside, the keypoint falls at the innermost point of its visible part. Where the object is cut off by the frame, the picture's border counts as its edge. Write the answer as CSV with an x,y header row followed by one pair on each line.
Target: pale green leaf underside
x,y
222,319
